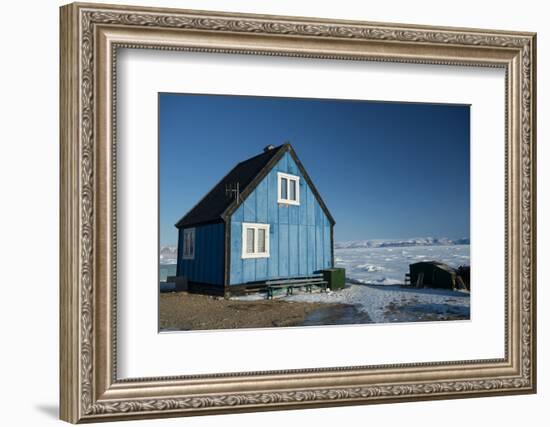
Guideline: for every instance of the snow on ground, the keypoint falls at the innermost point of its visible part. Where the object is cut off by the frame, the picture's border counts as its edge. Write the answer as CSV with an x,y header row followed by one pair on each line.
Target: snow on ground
x,y
385,265
375,274
394,303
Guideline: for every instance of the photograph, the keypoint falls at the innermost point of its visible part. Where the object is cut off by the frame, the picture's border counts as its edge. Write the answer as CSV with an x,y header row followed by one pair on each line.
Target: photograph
x,y
295,212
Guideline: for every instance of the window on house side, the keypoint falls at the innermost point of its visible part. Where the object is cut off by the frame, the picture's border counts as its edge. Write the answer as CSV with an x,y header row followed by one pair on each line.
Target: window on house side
x,y
288,188
189,243
255,240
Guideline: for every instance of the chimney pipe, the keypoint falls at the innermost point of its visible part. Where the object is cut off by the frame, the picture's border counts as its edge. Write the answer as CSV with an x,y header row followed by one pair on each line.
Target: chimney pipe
x,y
268,148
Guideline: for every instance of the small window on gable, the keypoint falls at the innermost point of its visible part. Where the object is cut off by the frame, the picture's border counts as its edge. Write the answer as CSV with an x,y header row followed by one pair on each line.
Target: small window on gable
x,y
255,240
189,243
288,188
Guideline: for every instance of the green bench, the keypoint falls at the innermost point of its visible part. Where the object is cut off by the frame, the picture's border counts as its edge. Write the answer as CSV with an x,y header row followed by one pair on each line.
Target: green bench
x,y
290,284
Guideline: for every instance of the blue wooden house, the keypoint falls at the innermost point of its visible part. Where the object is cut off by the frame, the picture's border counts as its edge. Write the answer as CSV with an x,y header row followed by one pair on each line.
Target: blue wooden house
x,y
263,221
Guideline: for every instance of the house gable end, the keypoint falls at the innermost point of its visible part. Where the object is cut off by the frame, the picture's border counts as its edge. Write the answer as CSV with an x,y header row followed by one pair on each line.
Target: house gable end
x,y
295,167
300,234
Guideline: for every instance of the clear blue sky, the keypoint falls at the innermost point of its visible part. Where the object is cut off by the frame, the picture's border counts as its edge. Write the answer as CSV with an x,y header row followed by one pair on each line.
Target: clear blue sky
x,y
385,170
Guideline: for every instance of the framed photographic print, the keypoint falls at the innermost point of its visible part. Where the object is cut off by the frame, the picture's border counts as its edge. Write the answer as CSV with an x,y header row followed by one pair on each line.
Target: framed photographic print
x,y
266,212
289,263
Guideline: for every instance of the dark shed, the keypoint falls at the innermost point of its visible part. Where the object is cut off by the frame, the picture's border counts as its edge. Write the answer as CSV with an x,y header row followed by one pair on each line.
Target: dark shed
x,y
433,274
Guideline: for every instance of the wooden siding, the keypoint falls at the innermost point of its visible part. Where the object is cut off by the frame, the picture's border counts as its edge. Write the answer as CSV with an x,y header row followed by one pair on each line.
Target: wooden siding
x,y
300,238
207,266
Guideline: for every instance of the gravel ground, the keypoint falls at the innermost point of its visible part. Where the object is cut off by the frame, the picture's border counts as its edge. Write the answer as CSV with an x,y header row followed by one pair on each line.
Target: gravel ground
x,y
181,311
356,304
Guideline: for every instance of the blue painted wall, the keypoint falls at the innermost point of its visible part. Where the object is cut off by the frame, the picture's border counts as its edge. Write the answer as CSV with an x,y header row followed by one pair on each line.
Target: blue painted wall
x,y
207,266
299,236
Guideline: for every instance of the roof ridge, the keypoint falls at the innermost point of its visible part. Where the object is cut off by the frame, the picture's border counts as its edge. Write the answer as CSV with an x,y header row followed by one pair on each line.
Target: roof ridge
x,y
274,149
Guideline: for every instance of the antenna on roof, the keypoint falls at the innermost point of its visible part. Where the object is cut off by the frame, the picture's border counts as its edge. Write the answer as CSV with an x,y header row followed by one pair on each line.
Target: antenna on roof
x,y
232,191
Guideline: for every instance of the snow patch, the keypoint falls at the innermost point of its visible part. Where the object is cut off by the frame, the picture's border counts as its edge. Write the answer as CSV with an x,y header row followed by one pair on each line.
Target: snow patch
x,y
382,265
394,303
369,267
168,254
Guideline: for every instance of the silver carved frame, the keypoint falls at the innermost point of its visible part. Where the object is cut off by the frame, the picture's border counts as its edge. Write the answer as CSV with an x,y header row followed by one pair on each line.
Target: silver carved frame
x,y
90,36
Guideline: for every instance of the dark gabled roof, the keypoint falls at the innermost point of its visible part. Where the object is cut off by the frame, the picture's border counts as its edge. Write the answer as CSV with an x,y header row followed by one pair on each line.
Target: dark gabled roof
x,y
215,202
217,206
438,264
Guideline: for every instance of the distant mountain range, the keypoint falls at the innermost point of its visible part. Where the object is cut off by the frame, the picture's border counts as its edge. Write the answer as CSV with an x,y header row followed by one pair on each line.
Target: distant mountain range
x,y
168,254
399,243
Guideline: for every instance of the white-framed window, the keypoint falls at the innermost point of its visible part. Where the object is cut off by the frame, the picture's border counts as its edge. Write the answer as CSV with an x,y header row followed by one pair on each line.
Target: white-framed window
x,y
288,188
189,243
255,240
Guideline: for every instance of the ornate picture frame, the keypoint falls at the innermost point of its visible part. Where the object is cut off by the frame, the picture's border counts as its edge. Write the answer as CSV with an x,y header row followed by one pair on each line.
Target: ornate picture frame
x,y
90,37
